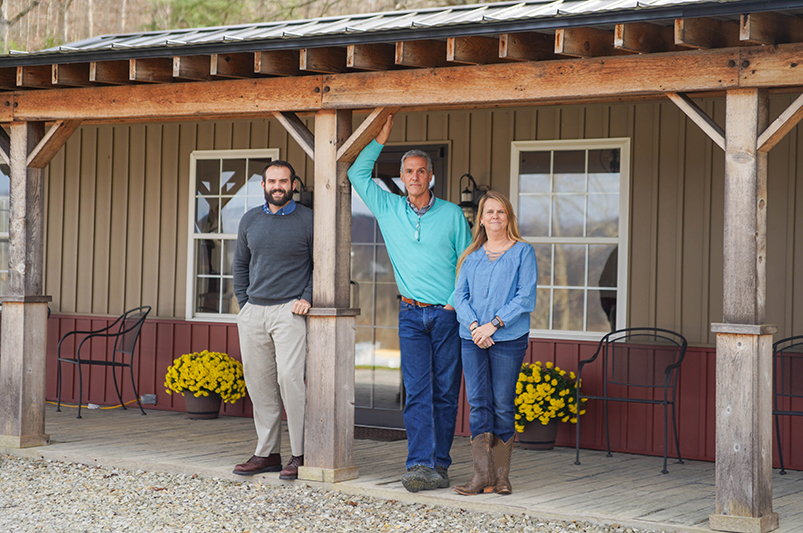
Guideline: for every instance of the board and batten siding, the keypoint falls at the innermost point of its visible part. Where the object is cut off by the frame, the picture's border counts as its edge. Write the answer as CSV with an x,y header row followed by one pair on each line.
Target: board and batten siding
x,y
117,200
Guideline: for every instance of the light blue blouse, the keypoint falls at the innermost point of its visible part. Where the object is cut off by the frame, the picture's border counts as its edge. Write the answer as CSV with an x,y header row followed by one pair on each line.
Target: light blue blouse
x,y
503,288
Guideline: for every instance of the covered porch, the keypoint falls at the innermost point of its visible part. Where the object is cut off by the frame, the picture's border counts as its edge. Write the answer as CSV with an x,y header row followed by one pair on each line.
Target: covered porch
x,y
625,489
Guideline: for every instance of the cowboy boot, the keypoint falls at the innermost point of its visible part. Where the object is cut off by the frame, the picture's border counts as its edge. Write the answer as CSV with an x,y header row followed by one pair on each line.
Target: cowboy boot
x,y
484,473
501,452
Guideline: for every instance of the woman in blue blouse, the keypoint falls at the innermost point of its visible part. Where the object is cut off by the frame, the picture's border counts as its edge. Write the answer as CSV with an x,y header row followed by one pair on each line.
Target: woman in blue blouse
x,y
494,297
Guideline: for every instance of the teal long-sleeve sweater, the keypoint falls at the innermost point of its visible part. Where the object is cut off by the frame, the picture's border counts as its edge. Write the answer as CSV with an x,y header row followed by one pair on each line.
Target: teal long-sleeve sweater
x,y
423,250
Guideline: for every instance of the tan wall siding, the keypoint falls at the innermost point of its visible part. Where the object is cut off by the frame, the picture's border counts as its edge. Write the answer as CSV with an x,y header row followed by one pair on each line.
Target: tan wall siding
x,y
118,200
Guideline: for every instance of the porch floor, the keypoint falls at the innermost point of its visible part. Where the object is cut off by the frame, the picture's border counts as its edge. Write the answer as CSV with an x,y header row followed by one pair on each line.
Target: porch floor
x,y
625,489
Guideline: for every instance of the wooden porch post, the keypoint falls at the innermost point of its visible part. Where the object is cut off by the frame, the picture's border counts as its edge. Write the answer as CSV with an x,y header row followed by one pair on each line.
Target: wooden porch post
x,y
24,330
744,343
329,431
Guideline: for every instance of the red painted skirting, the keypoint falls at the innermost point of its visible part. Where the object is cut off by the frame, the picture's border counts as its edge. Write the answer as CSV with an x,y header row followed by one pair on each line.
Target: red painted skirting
x,y
635,428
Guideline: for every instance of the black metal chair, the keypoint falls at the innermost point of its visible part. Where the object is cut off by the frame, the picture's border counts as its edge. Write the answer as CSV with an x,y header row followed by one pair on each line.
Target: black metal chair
x,y
642,358
125,331
787,378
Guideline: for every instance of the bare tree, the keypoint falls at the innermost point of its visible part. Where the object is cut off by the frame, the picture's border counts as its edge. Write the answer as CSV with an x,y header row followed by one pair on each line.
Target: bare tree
x,y
7,23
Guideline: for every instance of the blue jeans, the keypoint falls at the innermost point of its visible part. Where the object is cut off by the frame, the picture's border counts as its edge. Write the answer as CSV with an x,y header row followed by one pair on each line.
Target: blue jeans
x,y
491,377
430,364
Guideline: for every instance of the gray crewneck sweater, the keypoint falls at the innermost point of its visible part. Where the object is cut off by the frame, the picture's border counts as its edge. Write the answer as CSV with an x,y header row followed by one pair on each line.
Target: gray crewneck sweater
x,y
273,259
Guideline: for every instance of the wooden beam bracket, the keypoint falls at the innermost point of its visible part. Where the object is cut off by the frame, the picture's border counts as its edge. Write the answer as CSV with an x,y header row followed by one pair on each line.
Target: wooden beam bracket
x,y
369,129
298,131
699,117
781,126
53,140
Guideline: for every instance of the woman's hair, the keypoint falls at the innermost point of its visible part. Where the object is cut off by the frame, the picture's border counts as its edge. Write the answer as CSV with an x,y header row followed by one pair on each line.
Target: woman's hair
x,y
479,236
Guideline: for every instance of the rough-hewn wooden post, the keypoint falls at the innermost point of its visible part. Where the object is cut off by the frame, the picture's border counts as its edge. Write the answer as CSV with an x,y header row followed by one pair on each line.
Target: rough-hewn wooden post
x,y
24,331
329,432
744,343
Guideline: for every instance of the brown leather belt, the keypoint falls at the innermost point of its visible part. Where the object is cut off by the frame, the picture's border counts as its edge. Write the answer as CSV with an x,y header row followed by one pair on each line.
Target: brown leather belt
x,y
414,302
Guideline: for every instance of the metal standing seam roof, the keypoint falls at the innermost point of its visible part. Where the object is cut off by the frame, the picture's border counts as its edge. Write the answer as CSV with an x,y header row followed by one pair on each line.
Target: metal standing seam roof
x,y
477,19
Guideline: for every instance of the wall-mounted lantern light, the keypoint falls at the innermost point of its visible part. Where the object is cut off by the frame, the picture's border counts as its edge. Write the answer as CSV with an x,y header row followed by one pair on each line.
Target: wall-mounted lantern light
x,y
301,195
469,198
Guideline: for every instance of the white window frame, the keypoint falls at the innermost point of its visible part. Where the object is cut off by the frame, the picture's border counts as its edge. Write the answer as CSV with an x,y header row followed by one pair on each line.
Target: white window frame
x,y
192,273
623,144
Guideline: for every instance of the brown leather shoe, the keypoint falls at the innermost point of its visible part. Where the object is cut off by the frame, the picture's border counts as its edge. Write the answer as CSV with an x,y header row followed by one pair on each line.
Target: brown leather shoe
x,y
258,465
291,470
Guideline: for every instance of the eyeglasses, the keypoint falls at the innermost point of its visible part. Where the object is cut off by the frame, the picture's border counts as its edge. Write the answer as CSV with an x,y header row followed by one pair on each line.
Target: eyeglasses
x,y
418,229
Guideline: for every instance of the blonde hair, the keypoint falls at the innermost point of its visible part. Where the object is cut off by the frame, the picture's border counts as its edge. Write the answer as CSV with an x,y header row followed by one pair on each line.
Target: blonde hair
x,y
479,236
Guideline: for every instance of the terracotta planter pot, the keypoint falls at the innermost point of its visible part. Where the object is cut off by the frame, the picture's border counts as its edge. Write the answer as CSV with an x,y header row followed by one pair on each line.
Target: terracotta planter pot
x,y
537,436
202,407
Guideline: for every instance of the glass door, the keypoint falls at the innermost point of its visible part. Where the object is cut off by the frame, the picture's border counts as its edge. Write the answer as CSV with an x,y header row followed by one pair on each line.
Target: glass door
x,y
378,381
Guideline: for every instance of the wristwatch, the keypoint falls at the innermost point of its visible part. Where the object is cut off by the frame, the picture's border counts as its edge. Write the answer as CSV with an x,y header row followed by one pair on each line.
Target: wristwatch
x,y
497,323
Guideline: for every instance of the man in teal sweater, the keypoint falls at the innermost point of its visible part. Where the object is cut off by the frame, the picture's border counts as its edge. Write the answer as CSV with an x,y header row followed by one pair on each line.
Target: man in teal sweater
x,y
424,236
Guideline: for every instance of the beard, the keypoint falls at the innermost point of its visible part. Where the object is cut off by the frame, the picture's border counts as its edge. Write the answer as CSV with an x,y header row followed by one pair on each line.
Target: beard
x,y
282,200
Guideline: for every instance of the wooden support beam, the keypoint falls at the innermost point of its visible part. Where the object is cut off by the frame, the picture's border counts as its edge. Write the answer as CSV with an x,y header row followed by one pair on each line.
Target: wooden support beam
x,y
231,98
381,56
644,38
329,425
8,78
192,68
363,135
277,63
323,60
109,72
770,28
585,42
782,125
5,146
473,50
34,77
239,65
24,325
699,117
298,131
151,70
71,75
421,54
53,140
527,46
706,33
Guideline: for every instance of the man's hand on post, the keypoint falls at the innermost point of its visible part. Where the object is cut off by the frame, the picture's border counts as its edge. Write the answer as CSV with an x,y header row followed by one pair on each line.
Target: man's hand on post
x,y
301,307
384,133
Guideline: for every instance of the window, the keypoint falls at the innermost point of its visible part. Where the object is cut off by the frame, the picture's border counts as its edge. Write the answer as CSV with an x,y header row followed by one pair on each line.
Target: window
x,y
224,184
571,199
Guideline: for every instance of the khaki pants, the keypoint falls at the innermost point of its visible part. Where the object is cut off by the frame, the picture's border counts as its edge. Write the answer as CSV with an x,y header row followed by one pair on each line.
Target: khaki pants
x,y
273,345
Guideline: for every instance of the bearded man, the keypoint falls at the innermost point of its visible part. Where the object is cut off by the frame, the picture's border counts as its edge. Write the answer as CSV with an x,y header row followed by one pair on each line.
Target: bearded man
x,y
273,283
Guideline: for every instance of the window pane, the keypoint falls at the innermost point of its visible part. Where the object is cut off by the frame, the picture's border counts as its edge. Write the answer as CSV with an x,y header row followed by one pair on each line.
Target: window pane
x,y
229,247
5,180
543,257
570,171
534,172
602,266
567,308
206,210
229,302
207,177
603,161
539,319
570,265
231,213
255,167
603,215
534,215
362,220
366,303
362,263
207,295
3,266
363,362
387,304
568,216
601,310
4,213
232,176
207,256
384,269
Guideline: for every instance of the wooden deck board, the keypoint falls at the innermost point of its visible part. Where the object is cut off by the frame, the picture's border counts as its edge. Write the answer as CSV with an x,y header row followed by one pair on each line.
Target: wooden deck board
x,y
625,489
